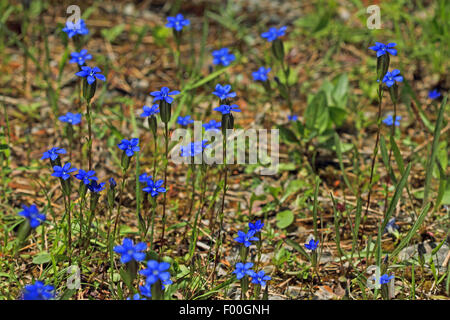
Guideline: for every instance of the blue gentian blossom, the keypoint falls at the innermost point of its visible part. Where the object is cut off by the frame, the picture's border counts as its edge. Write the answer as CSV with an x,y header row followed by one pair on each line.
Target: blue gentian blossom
x,y
177,22
212,125
112,182
223,92
144,178
33,215
381,48
86,177
434,94
260,278
156,271
243,270
53,153
146,290
184,121
80,57
245,238
130,252
226,109
38,291
274,33
90,74
136,296
64,171
129,146
390,226
72,118
223,57
193,148
154,188
385,278
164,94
150,111
72,29
257,226
392,77
389,120
312,245
96,187
261,74
293,117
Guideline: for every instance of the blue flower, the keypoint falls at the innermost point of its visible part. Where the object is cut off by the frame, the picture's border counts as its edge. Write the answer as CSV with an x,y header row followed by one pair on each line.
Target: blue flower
x,y
86,177
72,29
385,278
136,296
53,153
144,178
434,94
130,252
223,92
112,183
146,290
96,187
293,117
212,125
177,22
390,226
381,48
33,215
245,238
312,245
150,111
243,269
38,291
130,147
193,148
154,188
257,226
80,57
226,109
164,94
63,172
391,77
72,118
260,278
389,120
184,121
273,33
223,57
156,271
90,74
261,74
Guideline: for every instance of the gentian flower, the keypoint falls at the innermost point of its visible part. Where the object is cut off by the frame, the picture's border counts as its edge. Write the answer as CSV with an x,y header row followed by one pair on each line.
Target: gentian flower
x,y
72,29
164,94
53,153
385,278
90,74
86,177
193,148
273,33
226,109
112,183
212,125
389,120
184,121
154,188
130,252
177,22
381,48
72,118
33,215
312,245
245,238
146,290
136,296
223,57
130,147
293,117
144,178
434,94
390,226
80,57
96,187
257,226
63,172
260,278
243,269
391,77
261,74
38,291
150,111
156,271
223,92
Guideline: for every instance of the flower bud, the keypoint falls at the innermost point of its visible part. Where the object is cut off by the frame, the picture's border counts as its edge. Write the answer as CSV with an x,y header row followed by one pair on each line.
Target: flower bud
x,y
165,110
278,49
89,89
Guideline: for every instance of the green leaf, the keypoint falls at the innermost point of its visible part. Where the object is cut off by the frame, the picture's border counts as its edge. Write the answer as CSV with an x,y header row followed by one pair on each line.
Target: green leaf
x,y
316,114
297,247
292,187
287,134
284,219
41,258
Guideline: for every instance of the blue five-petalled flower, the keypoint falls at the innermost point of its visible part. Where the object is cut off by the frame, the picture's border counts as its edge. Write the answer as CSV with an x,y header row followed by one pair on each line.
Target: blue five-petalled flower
x,y
53,153
223,92
33,215
184,121
392,77
72,29
389,120
129,146
261,74
312,245
38,291
274,33
223,57
164,94
64,171
177,22
71,118
260,278
243,270
385,278
150,111
381,48
154,188
226,109
90,74
156,271
130,252
80,57
245,238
